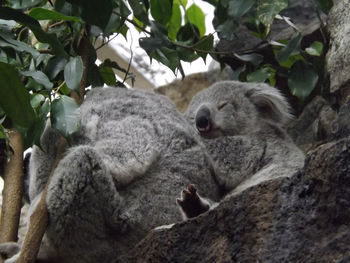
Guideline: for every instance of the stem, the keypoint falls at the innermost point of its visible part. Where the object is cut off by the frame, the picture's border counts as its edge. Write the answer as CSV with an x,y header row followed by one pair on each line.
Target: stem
x,y
133,23
131,55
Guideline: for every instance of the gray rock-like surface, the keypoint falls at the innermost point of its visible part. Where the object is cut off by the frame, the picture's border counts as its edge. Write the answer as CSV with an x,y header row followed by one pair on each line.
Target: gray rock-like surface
x,y
316,124
304,218
338,57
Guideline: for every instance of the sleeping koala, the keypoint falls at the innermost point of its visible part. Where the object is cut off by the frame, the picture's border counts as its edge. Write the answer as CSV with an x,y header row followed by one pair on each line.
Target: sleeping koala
x,y
242,127
118,179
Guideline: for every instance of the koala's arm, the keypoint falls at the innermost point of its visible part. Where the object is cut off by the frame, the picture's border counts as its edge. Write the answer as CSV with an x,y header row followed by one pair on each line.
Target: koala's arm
x,y
191,203
41,161
130,154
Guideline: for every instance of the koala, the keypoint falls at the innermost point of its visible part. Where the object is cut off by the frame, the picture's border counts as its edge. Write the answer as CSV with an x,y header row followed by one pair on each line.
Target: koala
x,y
242,127
118,177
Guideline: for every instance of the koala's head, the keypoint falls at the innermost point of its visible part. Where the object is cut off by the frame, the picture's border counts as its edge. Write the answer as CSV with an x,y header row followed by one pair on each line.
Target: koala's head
x,y
236,108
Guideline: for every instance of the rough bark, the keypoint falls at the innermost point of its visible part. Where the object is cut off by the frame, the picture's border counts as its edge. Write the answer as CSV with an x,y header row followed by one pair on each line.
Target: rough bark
x,y
12,192
304,218
13,188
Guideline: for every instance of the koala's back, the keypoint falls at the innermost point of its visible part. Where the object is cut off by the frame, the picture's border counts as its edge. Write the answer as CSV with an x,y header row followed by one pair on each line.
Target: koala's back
x,y
121,175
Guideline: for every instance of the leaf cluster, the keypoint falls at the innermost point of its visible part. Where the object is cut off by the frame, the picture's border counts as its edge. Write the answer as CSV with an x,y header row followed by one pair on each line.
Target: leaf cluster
x,y
40,61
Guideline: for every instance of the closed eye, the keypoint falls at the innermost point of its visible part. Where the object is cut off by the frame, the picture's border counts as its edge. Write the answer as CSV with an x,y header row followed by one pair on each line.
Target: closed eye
x,y
222,105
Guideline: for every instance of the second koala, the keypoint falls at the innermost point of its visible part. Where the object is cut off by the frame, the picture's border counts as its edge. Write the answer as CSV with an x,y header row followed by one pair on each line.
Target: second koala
x,y
242,127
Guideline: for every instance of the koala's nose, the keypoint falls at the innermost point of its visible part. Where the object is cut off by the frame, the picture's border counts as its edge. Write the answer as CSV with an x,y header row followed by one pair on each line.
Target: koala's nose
x,y
203,120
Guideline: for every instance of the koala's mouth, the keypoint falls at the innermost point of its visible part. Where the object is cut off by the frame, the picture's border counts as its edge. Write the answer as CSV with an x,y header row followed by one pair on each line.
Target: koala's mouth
x,y
209,132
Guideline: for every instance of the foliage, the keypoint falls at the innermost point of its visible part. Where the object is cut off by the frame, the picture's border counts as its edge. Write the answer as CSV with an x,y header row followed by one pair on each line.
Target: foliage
x,y
40,61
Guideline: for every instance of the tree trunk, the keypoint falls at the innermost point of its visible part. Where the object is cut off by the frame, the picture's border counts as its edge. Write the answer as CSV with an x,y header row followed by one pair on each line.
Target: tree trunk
x,y
13,190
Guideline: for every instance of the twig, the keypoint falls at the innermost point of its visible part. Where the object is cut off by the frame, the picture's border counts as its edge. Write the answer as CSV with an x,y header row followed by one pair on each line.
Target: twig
x,y
106,43
133,23
45,51
131,55
57,23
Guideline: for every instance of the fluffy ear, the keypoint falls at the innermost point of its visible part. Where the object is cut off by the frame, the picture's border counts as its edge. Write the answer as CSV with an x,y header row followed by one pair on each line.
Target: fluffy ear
x,y
270,103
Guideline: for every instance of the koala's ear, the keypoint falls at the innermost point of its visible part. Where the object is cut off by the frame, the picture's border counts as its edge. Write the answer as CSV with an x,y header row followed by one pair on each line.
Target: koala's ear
x,y
270,103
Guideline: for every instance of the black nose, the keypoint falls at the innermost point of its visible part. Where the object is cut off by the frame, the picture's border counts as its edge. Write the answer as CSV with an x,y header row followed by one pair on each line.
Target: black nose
x,y
203,120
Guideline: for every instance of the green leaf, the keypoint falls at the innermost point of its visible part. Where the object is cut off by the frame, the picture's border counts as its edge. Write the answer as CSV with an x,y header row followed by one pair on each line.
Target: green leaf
x,y
24,4
17,45
206,44
107,75
188,34
183,3
158,40
150,44
138,23
33,85
238,71
73,72
34,26
114,23
161,10
324,5
14,98
187,55
291,48
36,100
95,12
168,57
268,9
39,77
113,64
260,75
315,49
227,30
302,80
94,76
195,15
253,58
40,122
238,8
55,66
65,116
212,2
175,21
46,14
139,11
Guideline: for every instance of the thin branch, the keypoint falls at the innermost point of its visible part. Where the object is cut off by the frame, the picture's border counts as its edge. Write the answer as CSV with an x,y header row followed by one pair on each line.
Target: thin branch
x,y
45,51
60,86
107,42
133,23
131,55
57,23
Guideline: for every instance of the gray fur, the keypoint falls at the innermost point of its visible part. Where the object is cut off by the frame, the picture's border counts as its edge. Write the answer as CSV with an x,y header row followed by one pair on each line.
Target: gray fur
x,y
119,179
245,135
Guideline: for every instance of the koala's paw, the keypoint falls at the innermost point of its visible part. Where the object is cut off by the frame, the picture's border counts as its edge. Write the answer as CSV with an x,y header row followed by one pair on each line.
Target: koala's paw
x,y
10,251
191,203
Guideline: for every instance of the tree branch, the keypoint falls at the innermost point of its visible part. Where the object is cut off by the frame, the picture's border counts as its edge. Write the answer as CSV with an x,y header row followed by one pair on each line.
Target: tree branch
x,y
39,219
13,189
